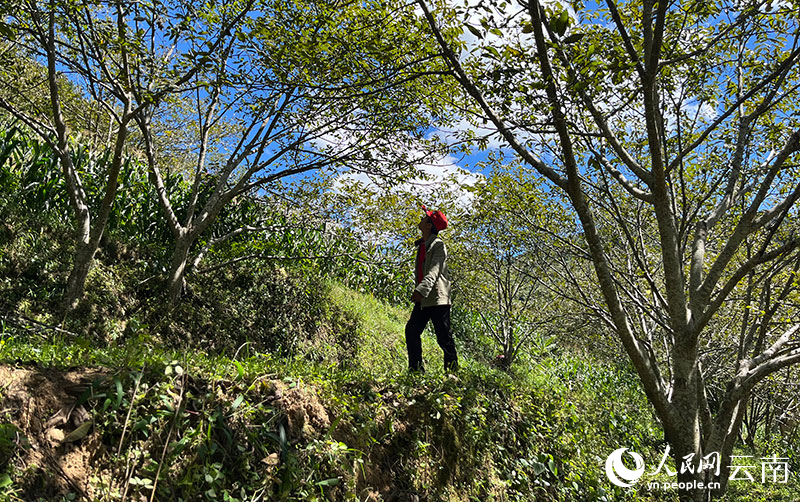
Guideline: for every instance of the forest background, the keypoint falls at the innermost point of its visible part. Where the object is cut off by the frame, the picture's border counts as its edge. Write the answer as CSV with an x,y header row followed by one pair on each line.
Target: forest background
x,y
206,228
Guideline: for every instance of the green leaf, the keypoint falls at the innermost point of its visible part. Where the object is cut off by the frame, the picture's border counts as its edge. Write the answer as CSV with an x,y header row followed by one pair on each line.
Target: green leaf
x,y
120,393
494,52
5,480
237,402
329,482
6,30
78,433
239,369
561,22
475,31
574,38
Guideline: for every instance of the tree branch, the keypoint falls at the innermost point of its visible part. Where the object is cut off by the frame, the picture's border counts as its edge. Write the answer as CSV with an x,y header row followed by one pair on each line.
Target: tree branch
x,y
469,86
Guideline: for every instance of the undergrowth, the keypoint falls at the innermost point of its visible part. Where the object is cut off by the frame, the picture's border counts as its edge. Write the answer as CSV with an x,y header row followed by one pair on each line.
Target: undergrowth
x,y
485,435
194,425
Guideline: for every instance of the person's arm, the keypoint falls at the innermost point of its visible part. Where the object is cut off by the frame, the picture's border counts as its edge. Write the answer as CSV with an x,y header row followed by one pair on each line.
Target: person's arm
x,y
438,257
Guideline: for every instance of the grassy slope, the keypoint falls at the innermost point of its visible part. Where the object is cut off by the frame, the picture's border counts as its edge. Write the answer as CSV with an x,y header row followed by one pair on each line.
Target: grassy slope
x,y
262,427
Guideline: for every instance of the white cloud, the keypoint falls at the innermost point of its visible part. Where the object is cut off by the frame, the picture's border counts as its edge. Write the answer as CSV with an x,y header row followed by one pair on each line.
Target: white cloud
x,y
440,180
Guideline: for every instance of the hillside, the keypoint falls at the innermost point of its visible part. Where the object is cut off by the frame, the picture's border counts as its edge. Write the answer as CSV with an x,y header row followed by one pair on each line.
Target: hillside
x,y
94,421
104,422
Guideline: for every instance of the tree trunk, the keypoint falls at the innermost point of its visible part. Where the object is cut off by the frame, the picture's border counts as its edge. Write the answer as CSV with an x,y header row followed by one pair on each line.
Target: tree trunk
x,y
728,442
686,406
686,444
689,482
82,262
180,255
185,236
90,233
769,420
84,252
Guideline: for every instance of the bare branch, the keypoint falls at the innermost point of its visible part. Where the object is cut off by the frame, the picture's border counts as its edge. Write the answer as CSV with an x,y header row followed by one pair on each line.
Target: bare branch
x,y
230,235
738,275
623,181
702,137
744,226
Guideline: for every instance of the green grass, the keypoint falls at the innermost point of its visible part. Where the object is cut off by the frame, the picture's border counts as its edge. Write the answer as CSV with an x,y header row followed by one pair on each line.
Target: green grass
x,y
381,350
487,434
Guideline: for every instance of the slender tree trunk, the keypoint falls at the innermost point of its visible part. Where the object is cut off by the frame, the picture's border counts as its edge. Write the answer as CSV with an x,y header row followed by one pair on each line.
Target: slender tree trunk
x,y
84,252
690,481
82,262
728,439
185,236
180,256
769,418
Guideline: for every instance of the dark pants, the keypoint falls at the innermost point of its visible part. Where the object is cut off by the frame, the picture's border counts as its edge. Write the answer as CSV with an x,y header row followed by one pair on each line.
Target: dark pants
x,y
440,316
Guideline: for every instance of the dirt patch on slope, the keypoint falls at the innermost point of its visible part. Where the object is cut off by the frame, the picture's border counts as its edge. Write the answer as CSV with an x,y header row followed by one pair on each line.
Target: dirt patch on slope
x,y
54,440
305,414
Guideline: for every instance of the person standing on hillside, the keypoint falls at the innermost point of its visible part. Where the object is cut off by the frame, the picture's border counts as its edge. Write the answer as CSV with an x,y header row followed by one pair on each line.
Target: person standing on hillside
x,y
431,295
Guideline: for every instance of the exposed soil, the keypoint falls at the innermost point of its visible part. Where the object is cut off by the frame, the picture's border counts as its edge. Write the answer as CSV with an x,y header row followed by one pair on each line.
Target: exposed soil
x,y
55,440
56,445
306,415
